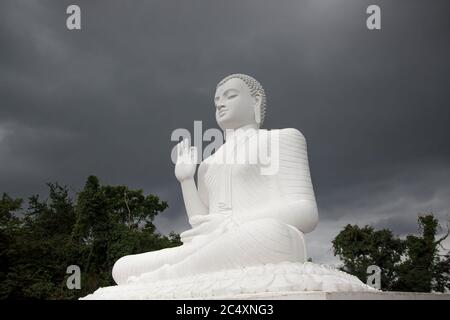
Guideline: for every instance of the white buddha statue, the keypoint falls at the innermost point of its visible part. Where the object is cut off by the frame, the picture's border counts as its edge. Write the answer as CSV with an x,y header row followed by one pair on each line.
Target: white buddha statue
x,y
240,217
248,217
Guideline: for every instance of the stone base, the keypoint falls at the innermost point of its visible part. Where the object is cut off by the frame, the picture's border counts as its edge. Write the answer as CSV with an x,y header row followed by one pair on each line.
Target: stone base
x,y
270,280
311,295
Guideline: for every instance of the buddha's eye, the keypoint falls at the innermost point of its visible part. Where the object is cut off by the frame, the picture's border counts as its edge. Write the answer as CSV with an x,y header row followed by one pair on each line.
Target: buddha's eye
x,y
234,95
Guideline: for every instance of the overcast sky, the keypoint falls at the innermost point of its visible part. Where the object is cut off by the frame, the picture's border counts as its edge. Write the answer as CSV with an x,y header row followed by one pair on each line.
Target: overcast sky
x,y
374,106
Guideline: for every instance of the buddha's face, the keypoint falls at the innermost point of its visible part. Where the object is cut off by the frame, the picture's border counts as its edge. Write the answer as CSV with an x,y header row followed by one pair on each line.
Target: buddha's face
x,y
235,106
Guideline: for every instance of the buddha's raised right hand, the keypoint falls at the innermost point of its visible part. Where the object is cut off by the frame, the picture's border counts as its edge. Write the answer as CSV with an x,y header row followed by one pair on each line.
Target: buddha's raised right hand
x,y
186,161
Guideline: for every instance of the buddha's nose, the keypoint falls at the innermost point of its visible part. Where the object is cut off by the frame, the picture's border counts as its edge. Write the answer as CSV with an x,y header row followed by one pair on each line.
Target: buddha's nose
x,y
220,106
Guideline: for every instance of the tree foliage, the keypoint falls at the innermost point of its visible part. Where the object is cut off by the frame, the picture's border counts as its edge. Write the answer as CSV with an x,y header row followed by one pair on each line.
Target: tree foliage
x,y
412,264
102,224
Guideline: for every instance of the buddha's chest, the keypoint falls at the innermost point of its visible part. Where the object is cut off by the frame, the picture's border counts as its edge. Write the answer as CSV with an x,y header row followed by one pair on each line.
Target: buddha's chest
x,y
239,186
235,176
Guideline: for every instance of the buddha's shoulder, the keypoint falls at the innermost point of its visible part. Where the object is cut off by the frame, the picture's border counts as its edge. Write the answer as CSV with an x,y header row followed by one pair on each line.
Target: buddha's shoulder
x,y
285,134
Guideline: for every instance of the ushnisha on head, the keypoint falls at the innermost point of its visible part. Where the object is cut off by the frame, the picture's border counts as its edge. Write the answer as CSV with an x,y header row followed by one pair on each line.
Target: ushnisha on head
x,y
240,100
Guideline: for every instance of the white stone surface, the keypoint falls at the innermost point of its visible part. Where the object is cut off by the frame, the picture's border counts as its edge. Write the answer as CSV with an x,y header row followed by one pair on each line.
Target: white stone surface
x,y
251,206
259,281
342,295
253,201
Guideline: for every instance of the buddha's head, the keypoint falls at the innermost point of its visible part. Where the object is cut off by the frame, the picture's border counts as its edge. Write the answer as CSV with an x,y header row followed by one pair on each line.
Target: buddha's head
x,y
240,101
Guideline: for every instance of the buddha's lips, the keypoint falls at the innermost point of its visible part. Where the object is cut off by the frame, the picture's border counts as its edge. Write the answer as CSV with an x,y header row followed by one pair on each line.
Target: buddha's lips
x,y
222,112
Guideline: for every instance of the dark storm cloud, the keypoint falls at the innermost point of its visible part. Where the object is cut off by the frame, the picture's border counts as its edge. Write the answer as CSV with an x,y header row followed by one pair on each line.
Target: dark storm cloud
x,y
373,105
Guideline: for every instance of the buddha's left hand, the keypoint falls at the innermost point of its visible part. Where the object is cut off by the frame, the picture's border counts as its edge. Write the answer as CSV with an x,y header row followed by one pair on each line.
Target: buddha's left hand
x,y
210,219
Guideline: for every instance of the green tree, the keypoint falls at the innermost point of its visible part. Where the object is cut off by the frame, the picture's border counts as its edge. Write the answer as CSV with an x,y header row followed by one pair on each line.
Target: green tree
x,y
35,252
9,227
424,270
113,221
358,248
412,264
100,225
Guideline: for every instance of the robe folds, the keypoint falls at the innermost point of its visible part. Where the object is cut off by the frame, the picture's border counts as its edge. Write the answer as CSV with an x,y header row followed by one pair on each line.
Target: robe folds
x,y
258,191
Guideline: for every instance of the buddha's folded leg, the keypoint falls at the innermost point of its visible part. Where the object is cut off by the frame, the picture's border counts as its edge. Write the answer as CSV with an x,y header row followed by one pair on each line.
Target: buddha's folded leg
x,y
137,264
253,243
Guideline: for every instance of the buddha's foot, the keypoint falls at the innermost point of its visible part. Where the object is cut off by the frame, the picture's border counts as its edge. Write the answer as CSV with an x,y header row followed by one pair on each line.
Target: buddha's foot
x,y
282,277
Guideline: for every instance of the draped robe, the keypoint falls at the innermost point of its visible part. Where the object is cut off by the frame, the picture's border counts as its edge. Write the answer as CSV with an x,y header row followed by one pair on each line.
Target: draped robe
x,y
260,199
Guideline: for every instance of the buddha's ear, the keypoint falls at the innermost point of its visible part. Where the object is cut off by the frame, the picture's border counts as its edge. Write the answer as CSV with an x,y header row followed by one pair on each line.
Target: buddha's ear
x,y
257,109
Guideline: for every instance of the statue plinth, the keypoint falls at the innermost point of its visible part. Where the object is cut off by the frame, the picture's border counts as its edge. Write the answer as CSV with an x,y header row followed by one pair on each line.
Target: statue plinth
x,y
270,280
248,217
